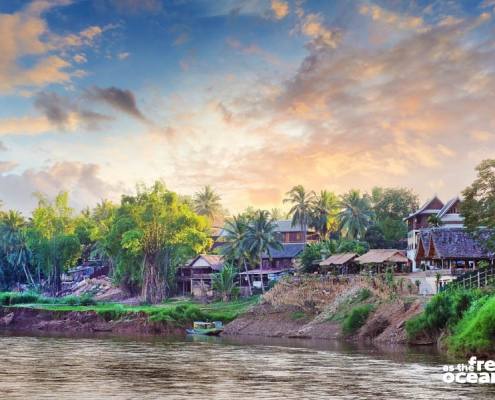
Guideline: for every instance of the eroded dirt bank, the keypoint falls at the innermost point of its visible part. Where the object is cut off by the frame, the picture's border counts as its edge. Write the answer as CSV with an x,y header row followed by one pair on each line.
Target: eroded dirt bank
x,y
315,307
23,319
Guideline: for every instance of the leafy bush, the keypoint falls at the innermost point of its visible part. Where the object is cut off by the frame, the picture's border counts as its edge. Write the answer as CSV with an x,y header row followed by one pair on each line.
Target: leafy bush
x,y
356,318
444,310
362,295
296,315
475,332
182,313
12,298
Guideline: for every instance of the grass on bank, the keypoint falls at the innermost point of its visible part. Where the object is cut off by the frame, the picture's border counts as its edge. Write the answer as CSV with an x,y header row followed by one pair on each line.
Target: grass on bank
x,y
466,316
172,311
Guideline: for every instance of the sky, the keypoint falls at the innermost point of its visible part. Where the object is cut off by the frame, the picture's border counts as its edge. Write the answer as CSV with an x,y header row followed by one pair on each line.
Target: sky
x,y
251,97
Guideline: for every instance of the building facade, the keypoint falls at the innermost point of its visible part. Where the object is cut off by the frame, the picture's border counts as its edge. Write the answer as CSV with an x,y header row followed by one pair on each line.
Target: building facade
x,y
447,216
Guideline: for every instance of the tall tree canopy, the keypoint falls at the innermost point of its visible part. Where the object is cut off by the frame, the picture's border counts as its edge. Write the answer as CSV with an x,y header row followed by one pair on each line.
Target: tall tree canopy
x,y
261,237
162,232
302,206
207,202
324,213
356,214
478,206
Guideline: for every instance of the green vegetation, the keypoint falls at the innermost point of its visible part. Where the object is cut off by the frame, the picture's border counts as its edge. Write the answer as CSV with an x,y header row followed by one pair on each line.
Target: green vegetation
x,y
297,315
475,332
356,318
478,204
363,296
224,282
176,312
14,298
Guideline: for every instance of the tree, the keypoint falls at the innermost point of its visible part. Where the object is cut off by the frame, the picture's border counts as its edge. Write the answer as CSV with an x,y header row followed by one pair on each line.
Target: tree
x,y
434,221
207,202
235,248
302,204
15,249
356,214
394,203
52,238
374,237
261,237
324,213
224,281
390,207
277,214
478,206
164,233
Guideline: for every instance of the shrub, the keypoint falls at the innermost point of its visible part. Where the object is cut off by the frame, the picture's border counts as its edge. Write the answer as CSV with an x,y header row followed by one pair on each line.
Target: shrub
x,y
12,298
362,295
297,315
356,318
444,310
475,332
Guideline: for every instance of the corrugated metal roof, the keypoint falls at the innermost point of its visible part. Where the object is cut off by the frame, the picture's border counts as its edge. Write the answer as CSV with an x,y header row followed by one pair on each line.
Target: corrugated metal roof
x,y
289,250
424,207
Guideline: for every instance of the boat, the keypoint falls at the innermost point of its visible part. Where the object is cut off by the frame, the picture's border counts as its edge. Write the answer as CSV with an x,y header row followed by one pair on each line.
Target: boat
x,y
206,328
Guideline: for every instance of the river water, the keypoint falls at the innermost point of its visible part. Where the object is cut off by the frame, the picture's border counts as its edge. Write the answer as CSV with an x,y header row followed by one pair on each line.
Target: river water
x,y
219,368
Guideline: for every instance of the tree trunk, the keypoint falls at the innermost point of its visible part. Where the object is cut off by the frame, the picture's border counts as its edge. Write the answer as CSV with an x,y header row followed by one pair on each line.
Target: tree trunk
x,y
153,285
56,283
29,277
247,276
261,273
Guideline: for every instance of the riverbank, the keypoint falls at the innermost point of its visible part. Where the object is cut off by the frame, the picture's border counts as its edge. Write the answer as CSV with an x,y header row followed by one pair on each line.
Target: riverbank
x,y
324,307
170,318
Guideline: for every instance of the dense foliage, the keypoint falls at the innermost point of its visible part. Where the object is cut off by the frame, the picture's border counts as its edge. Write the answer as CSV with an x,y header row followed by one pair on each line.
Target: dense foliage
x,y
478,206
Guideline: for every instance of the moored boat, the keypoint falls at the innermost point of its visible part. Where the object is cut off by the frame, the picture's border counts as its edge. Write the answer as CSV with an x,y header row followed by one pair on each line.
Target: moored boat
x,y
206,328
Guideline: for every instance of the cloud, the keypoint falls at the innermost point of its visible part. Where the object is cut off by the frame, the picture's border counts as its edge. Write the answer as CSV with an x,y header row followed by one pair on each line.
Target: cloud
x,y
3,147
6,166
137,6
120,99
123,55
66,114
80,58
399,21
280,8
26,34
81,180
313,26
26,125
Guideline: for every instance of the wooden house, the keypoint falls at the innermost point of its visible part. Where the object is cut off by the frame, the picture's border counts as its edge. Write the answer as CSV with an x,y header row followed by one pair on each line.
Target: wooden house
x,y
455,249
195,278
448,215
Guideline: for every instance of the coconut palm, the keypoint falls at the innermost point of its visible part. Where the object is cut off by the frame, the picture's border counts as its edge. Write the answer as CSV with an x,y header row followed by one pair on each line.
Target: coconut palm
x,y
207,202
235,248
302,203
261,237
324,213
224,281
14,243
356,214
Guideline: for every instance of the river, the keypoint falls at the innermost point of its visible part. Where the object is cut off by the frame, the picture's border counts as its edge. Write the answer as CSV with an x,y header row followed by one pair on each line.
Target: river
x,y
219,368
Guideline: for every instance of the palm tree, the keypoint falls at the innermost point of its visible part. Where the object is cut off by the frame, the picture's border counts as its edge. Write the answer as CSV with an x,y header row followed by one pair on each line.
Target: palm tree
x,y
434,221
356,214
261,237
324,213
302,203
224,281
235,248
14,243
207,202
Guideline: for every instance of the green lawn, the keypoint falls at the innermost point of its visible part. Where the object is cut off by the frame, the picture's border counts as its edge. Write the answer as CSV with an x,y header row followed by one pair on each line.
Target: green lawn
x,y
179,311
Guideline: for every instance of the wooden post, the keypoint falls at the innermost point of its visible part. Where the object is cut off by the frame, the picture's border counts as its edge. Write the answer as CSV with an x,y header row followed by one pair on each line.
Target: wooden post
x,y
479,278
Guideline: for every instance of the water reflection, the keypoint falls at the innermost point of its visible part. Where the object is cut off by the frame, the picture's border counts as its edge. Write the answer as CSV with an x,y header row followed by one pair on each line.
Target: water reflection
x,y
222,368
